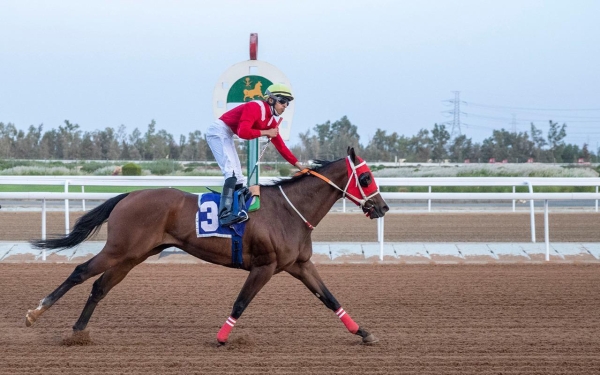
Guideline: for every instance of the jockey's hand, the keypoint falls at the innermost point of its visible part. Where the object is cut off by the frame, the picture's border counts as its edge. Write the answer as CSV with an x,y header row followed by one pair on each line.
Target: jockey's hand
x,y
299,166
271,133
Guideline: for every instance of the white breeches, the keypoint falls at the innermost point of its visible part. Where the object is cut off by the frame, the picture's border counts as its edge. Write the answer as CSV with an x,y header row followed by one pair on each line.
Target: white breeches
x,y
220,140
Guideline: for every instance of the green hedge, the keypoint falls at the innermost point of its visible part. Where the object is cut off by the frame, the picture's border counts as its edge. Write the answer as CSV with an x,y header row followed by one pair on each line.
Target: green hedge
x,y
132,169
285,170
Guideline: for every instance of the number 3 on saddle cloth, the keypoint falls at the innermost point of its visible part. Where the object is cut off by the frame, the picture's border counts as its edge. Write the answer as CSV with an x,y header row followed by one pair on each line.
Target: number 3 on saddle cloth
x,y
207,222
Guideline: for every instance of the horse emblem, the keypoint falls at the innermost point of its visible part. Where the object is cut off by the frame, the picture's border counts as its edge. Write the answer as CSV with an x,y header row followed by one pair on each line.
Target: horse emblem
x,y
256,91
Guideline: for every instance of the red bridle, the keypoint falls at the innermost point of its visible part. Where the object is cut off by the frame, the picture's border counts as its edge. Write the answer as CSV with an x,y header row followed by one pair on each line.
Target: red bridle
x,y
352,190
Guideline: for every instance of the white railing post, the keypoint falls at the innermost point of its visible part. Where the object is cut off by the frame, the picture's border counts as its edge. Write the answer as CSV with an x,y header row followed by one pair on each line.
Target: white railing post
x,y
83,200
343,204
44,227
546,230
531,213
380,232
67,208
514,200
429,201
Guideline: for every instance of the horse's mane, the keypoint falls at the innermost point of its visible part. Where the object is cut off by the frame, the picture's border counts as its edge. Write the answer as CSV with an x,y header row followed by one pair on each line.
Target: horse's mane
x,y
318,165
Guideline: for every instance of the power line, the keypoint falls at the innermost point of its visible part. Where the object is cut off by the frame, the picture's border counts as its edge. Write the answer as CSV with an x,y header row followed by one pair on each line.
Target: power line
x,y
581,128
533,109
507,119
530,113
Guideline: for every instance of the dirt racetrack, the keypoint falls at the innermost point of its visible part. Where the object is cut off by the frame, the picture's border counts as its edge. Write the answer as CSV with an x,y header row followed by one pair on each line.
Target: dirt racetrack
x,y
431,319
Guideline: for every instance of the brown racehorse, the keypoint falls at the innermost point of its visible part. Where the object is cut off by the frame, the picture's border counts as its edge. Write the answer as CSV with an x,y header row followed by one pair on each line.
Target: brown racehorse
x,y
277,236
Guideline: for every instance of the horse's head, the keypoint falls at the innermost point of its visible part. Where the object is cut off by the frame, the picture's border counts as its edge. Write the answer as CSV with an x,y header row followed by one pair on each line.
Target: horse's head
x,y
362,188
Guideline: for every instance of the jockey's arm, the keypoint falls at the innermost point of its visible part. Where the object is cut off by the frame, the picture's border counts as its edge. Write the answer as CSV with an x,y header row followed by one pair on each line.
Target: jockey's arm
x,y
271,133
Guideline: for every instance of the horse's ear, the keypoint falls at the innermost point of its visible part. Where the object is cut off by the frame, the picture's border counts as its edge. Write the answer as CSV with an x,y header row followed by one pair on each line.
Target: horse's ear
x,y
352,154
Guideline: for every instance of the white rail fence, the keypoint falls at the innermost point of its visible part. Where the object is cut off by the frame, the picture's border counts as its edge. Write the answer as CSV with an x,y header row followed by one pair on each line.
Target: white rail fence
x,y
170,181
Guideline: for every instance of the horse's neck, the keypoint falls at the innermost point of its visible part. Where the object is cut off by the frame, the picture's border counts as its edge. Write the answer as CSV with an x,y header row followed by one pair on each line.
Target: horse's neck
x,y
314,197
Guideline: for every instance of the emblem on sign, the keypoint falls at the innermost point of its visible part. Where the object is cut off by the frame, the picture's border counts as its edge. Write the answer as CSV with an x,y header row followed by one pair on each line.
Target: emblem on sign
x,y
248,88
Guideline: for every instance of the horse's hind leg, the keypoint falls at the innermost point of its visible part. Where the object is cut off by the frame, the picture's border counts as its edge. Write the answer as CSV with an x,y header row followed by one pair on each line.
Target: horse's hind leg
x,y
104,284
258,277
82,272
307,273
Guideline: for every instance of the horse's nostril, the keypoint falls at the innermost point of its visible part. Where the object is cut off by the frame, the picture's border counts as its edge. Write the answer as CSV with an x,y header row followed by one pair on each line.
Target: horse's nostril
x,y
386,208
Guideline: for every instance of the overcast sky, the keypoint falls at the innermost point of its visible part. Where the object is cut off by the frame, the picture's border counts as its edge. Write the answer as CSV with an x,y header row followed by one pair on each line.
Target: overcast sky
x,y
384,64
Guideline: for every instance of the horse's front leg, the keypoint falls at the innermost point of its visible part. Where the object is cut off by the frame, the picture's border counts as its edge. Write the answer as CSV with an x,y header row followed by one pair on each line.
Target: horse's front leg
x,y
307,273
258,277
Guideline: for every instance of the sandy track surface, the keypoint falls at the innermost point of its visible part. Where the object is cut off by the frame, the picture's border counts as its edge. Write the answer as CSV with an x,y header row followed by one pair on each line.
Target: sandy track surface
x,y
431,319
399,227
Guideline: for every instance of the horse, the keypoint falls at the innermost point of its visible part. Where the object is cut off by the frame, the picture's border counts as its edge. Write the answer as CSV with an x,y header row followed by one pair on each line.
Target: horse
x,y
256,91
277,237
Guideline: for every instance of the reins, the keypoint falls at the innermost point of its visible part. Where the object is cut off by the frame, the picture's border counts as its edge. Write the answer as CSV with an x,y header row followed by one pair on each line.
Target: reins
x,y
260,157
360,202
309,225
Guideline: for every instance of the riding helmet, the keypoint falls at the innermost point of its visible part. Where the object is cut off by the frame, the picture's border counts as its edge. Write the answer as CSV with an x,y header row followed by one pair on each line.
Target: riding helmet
x,y
279,90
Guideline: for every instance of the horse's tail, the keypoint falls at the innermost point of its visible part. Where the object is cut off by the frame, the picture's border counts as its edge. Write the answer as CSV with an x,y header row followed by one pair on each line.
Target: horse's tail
x,y
86,226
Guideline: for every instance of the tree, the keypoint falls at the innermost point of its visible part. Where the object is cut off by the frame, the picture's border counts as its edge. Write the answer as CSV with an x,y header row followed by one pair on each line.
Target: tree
x,y
460,148
585,153
539,141
8,135
420,146
556,136
106,142
68,142
196,147
570,153
344,134
88,148
310,145
331,140
439,139
135,139
382,147
27,145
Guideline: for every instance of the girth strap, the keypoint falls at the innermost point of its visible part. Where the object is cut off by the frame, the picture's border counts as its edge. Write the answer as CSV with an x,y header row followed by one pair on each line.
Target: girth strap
x,y
236,250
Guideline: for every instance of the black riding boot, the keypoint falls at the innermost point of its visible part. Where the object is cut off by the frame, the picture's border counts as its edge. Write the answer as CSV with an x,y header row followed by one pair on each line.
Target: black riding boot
x,y
226,215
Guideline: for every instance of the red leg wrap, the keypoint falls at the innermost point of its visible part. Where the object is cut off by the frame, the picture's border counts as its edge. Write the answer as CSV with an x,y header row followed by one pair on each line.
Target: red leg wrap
x,y
347,320
223,334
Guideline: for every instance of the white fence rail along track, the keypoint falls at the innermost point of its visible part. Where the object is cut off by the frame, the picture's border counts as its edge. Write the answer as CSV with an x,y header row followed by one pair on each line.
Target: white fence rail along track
x,y
177,181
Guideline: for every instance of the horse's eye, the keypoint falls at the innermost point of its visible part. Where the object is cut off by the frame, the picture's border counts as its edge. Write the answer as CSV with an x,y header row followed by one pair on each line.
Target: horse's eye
x,y
364,179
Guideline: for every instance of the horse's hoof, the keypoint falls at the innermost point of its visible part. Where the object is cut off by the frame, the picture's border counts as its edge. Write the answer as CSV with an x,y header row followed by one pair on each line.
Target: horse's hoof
x,y
30,318
370,339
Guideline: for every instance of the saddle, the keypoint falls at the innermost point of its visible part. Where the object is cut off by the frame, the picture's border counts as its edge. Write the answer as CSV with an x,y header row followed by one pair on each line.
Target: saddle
x,y
207,222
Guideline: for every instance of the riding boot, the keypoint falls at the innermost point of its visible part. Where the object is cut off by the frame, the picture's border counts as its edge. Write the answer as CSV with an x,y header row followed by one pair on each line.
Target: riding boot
x,y
226,215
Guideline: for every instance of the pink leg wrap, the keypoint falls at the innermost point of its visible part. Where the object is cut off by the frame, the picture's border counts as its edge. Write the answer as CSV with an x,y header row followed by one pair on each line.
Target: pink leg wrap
x,y
225,330
347,320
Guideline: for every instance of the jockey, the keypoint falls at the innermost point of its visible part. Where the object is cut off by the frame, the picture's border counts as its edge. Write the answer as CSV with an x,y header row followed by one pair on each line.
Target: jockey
x,y
248,121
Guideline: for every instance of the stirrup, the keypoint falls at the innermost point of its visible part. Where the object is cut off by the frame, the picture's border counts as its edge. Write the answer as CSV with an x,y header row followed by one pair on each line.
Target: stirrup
x,y
232,219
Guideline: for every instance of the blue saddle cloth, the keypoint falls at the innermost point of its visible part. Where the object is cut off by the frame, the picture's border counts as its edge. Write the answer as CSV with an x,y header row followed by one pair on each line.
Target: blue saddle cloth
x,y
207,225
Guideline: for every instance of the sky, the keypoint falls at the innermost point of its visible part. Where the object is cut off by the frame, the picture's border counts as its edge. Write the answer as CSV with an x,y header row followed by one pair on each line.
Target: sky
x,y
391,65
